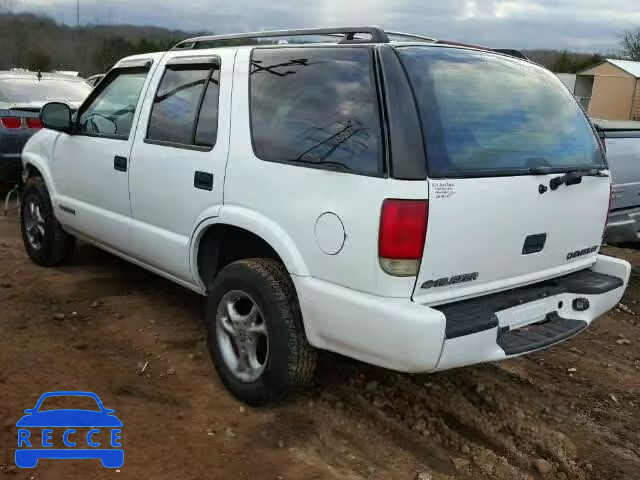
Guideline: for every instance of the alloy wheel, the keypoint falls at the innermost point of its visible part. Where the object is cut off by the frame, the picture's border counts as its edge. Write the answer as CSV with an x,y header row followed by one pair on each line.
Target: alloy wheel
x,y
242,336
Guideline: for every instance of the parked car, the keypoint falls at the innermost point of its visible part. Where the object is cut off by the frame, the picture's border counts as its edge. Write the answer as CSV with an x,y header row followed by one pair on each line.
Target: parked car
x,y
386,200
622,142
22,94
95,79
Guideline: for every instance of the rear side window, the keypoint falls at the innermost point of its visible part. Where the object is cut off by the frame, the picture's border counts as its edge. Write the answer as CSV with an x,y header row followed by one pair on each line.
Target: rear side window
x,y
317,107
185,108
485,114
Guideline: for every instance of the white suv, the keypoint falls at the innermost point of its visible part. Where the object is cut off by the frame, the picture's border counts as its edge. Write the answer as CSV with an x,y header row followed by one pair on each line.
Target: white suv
x,y
415,204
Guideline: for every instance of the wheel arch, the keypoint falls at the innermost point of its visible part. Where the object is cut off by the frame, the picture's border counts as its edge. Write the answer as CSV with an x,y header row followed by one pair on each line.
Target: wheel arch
x,y
36,166
249,234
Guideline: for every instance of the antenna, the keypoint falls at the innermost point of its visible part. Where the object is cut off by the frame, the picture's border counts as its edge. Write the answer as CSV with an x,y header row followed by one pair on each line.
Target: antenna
x,y
78,13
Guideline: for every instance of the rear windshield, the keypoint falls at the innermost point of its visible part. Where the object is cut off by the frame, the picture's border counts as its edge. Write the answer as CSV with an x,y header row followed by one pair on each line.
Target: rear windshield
x,y
485,114
24,90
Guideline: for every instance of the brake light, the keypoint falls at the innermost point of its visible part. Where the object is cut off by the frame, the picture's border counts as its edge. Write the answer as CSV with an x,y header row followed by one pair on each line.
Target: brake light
x,y
403,229
11,122
34,123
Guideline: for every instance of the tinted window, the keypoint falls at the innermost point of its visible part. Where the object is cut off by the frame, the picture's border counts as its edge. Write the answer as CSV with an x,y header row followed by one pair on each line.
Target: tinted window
x,y
111,111
177,103
24,90
316,106
484,113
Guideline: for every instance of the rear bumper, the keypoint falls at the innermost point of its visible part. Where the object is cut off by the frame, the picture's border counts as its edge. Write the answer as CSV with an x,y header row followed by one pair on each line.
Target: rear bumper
x,y
10,167
405,336
489,345
12,143
623,226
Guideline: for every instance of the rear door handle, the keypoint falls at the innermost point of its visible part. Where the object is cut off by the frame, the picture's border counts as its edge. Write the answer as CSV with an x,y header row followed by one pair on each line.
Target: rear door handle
x,y
203,181
120,163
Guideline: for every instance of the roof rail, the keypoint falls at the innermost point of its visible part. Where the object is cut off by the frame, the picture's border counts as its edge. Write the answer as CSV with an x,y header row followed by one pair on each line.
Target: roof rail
x,y
411,36
377,34
512,53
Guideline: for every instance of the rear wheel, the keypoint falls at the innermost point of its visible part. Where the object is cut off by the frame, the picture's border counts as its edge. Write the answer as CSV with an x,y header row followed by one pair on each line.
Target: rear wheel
x,y
44,239
255,333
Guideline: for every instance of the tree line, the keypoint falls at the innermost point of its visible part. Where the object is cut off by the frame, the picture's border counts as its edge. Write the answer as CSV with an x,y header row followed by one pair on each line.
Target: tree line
x,y
40,43
565,61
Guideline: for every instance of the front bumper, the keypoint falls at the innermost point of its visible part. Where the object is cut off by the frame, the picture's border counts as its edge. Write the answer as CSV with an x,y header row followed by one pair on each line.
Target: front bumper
x,y
404,336
623,226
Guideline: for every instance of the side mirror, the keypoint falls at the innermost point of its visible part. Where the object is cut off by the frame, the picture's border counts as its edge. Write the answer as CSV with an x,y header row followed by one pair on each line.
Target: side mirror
x,y
29,411
56,116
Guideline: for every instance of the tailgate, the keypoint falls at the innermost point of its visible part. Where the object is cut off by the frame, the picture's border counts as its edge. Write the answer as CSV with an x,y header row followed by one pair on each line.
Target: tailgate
x,y
498,133
491,234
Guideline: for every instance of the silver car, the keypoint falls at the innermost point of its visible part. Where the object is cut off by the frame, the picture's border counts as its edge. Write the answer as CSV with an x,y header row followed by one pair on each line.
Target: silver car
x,y
622,142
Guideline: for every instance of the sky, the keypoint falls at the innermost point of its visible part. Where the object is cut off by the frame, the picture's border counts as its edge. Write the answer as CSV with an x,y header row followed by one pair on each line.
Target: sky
x,y
577,25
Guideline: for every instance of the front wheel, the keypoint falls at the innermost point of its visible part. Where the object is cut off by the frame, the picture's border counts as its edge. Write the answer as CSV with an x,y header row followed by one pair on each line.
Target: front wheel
x,y
44,239
255,333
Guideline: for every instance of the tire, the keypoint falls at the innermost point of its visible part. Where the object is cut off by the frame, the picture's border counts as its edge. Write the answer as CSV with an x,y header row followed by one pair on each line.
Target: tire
x,y
51,246
290,360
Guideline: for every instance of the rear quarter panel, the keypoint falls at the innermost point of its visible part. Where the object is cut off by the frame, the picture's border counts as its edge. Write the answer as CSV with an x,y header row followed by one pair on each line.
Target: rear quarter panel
x,y
290,199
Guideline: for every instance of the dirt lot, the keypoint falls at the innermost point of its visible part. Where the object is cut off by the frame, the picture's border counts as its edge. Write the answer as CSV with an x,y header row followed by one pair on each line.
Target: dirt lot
x,y
569,413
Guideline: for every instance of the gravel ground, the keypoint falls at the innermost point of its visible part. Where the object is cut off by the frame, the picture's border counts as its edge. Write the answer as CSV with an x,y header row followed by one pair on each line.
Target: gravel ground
x,y
136,340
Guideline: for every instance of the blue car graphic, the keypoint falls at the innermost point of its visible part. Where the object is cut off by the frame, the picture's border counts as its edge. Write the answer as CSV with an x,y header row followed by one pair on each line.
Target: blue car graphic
x,y
68,419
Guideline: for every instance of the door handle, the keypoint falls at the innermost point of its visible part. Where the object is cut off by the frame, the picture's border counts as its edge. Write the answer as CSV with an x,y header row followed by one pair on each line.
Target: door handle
x,y
120,163
203,181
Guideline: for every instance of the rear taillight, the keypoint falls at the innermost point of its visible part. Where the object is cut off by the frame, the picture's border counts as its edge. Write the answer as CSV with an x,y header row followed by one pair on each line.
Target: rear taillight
x,y
11,122
34,123
403,230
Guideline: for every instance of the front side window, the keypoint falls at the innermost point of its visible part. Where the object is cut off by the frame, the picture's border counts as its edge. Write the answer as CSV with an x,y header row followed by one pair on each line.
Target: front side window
x,y
485,114
316,106
185,109
111,111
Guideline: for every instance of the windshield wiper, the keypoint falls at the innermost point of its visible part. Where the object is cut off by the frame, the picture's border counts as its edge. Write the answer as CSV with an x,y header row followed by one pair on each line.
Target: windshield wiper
x,y
575,177
541,170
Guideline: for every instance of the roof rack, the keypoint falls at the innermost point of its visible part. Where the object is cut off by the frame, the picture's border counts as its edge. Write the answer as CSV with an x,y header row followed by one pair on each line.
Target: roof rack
x,y
511,52
349,35
411,36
